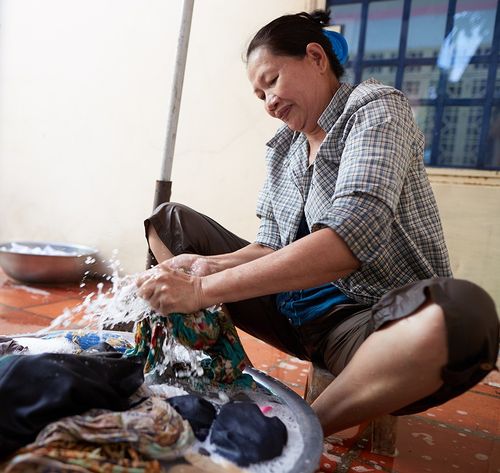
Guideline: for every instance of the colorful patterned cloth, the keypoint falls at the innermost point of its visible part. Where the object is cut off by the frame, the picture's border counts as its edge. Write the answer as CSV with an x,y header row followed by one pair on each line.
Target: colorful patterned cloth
x,y
131,441
209,330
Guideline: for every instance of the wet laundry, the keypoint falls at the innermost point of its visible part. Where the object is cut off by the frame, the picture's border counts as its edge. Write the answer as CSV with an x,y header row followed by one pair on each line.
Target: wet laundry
x,y
209,330
103,440
244,435
199,412
36,390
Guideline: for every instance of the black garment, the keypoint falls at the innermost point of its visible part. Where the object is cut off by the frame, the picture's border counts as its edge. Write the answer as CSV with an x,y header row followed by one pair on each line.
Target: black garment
x,y
244,435
199,412
36,390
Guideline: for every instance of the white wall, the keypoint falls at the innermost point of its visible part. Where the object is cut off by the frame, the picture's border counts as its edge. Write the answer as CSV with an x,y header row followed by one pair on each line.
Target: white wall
x,y
84,91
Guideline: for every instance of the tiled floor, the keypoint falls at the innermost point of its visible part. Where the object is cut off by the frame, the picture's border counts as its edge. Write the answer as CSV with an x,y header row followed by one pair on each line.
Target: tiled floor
x,y
462,435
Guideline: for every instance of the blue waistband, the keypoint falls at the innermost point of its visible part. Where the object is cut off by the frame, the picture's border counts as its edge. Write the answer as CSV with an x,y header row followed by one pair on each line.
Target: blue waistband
x,y
307,304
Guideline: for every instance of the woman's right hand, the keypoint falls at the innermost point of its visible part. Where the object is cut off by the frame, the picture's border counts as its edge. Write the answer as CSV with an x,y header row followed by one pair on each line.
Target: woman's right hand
x,y
194,264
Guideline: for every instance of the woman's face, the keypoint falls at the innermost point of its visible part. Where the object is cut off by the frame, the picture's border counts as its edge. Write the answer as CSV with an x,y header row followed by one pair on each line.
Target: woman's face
x,y
294,90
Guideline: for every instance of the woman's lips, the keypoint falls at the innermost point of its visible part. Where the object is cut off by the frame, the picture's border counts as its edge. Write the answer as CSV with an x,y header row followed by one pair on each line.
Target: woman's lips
x,y
283,112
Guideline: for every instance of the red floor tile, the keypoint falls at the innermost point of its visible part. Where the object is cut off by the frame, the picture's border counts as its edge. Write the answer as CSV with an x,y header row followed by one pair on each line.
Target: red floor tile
x,y
470,412
55,309
24,296
14,321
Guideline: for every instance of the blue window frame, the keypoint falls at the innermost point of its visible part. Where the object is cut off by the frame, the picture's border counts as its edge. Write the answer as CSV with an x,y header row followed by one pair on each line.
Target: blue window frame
x,y
444,55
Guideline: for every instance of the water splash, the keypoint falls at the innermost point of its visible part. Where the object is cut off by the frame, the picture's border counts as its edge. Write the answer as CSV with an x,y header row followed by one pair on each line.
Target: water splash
x,y
111,306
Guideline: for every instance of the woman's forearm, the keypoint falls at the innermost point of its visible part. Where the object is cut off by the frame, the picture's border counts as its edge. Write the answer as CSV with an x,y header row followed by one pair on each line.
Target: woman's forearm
x,y
316,259
249,253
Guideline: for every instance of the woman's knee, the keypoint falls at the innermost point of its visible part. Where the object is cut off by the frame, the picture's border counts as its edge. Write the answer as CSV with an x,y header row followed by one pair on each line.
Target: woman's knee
x,y
472,326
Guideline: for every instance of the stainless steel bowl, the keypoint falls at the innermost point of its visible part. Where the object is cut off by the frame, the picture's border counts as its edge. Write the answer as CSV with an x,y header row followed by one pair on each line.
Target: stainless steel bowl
x,y
67,263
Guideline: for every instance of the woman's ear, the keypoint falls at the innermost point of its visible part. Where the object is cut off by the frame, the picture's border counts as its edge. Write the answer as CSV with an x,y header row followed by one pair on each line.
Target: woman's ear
x,y
316,53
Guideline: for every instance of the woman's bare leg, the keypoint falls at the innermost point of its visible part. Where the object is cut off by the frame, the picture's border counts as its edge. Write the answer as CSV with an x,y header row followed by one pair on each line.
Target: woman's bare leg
x,y
160,251
395,366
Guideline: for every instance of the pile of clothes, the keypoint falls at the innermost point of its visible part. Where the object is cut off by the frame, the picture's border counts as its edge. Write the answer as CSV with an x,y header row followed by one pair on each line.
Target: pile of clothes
x,y
86,412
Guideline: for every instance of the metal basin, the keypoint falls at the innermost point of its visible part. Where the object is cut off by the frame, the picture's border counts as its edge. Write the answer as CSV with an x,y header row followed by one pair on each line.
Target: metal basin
x,y
31,261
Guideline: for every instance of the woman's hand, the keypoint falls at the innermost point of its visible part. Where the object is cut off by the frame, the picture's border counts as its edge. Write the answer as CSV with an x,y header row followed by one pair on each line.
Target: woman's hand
x,y
170,290
194,264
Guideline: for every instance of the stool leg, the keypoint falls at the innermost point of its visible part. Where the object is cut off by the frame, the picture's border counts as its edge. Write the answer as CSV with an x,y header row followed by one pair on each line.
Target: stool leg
x,y
318,380
383,433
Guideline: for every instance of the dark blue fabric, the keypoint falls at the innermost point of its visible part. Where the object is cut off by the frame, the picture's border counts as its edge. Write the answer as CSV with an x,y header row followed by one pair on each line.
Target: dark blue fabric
x,y
199,412
307,304
244,435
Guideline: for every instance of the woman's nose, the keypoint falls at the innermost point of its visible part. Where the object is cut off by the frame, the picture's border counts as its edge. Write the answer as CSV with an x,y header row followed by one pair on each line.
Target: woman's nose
x,y
271,102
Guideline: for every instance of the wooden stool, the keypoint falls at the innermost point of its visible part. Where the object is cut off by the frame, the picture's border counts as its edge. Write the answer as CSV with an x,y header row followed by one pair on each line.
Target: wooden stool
x,y
383,429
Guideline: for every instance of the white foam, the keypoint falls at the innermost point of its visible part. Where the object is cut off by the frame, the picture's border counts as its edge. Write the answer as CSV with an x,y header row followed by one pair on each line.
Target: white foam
x,y
37,346
165,390
33,290
38,250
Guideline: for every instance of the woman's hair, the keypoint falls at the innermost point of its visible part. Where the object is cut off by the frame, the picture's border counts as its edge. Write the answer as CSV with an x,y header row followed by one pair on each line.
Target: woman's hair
x,y
289,35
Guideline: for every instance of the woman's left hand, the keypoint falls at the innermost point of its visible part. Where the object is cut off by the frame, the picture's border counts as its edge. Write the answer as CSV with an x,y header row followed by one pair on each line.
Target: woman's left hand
x,y
168,290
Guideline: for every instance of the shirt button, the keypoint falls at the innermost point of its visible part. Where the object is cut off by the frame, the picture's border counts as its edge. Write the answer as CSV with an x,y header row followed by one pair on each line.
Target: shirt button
x,y
486,366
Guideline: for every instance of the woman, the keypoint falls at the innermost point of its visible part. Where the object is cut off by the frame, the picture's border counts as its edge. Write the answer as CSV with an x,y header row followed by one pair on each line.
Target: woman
x,y
346,200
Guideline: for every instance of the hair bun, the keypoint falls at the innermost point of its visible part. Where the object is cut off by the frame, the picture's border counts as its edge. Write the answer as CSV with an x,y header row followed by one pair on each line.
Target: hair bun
x,y
322,17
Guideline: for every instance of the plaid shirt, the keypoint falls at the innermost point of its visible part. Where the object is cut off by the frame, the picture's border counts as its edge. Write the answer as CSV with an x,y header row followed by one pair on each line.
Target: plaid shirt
x,y
368,183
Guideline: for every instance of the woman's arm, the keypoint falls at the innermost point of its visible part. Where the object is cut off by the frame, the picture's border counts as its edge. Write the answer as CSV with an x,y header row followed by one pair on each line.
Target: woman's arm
x,y
205,265
315,259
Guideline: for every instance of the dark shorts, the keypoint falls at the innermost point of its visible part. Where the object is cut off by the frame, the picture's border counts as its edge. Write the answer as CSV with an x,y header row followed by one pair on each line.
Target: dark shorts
x,y
331,340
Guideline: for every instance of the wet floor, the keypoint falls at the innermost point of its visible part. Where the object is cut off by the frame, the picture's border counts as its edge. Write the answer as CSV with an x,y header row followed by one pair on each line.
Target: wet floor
x,y
462,435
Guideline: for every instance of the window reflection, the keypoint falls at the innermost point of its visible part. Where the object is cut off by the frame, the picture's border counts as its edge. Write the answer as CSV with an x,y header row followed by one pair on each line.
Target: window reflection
x,y
420,82
349,76
383,29
427,16
460,136
348,17
471,35
424,116
493,155
384,74
496,93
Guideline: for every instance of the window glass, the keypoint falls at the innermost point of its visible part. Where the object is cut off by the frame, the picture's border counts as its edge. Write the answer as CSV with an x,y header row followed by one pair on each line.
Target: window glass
x,y
348,17
472,83
460,135
497,84
427,16
471,35
420,82
383,29
384,74
348,76
424,116
476,21
493,145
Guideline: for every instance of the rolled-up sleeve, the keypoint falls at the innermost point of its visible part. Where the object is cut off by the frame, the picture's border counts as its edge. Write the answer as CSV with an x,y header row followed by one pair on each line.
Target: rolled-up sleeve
x,y
362,221
372,171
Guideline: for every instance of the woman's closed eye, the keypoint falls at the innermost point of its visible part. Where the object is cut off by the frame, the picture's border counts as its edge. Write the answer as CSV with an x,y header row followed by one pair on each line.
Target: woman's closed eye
x,y
273,80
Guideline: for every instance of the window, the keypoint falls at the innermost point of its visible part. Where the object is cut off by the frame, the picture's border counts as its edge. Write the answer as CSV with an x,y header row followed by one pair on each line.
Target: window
x,y
444,55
